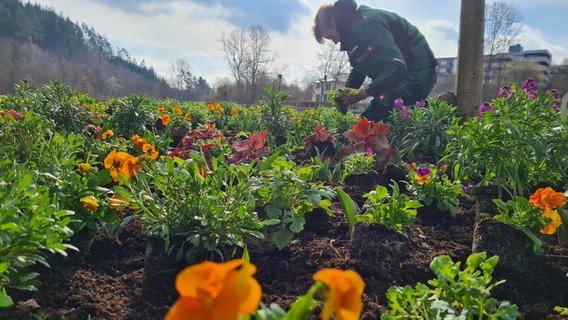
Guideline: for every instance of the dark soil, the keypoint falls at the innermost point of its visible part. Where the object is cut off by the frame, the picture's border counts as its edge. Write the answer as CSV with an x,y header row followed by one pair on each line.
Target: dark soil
x,y
108,283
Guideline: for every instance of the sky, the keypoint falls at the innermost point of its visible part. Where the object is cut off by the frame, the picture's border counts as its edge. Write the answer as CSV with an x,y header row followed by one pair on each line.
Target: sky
x,y
160,32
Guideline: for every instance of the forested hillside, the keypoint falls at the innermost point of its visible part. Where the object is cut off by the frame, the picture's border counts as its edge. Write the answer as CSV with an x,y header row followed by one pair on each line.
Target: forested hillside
x,y
38,45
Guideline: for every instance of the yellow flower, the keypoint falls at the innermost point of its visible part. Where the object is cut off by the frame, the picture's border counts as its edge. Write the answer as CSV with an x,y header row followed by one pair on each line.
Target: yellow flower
x,y
216,291
187,116
150,150
107,134
556,221
166,119
84,168
161,110
117,202
234,112
343,297
422,179
176,110
90,203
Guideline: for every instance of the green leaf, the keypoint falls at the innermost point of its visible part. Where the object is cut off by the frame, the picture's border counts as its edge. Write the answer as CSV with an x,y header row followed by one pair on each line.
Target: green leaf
x,y
350,207
5,301
282,238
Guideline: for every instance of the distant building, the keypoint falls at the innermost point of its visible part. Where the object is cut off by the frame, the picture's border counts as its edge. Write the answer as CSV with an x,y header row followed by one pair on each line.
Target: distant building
x,y
516,53
446,66
320,88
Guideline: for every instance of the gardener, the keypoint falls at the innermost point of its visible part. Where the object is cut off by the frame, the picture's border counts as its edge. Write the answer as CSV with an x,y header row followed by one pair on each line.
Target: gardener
x,y
383,46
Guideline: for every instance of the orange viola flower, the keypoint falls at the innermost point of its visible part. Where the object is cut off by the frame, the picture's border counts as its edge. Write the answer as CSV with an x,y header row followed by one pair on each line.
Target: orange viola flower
x,y
150,150
140,142
165,119
107,134
161,110
216,291
547,198
556,221
213,106
187,116
121,163
177,110
343,297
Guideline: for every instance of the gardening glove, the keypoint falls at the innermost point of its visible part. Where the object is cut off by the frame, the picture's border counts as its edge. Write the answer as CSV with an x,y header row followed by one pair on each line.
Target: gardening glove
x,y
352,96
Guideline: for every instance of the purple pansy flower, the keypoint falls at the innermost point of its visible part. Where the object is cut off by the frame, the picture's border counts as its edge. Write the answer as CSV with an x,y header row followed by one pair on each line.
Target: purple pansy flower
x,y
420,104
423,171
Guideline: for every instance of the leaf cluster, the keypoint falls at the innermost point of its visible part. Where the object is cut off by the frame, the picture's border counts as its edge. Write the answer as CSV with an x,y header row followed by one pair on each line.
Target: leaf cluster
x,y
453,294
395,211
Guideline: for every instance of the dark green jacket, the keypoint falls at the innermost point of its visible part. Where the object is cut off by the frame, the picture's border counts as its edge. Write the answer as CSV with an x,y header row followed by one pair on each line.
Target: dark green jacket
x,y
385,47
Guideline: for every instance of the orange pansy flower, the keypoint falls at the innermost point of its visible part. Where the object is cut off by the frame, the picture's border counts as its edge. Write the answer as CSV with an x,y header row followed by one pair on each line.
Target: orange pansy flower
x,y
343,297
216,291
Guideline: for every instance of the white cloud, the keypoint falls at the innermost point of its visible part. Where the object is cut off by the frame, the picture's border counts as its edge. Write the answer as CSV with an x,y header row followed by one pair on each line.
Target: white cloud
x,y
159,32
534,39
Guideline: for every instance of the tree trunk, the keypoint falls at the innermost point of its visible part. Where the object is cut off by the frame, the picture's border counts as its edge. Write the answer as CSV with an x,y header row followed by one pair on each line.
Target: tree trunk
x,y
469,82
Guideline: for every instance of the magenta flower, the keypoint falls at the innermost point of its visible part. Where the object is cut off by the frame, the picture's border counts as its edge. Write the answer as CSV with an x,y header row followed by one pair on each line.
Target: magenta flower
x,y
420,104
466,189
405,112
399,103
555,95
485,107
423,171
506,92
369,152
530,86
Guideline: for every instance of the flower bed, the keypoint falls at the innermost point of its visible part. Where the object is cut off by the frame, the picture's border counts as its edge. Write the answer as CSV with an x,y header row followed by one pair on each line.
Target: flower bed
x,y
240,172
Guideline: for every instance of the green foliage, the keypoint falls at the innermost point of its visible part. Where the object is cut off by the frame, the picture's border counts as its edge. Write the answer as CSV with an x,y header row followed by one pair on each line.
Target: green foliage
x,y
15,142
273,116
423,133
336,96
395,211
453,294
133,115
287,198
198,212
32,225
60,105
321,171
515,145
358,163
520,214
439,189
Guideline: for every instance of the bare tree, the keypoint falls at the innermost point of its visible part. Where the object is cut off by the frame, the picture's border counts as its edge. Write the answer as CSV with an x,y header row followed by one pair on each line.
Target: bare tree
x,y
181,78
248,56
332,66
501,29
469,81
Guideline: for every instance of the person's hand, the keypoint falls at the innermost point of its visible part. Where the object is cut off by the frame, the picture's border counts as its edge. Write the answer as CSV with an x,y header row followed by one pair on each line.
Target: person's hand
x,y
352,96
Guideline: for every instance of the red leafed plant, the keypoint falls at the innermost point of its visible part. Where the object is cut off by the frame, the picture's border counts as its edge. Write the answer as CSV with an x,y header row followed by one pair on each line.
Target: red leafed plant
x,y
321,141
253,148
206,133
370,135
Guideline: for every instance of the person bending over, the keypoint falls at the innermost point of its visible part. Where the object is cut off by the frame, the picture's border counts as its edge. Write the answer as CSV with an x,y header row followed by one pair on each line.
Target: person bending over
x,y
380,45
